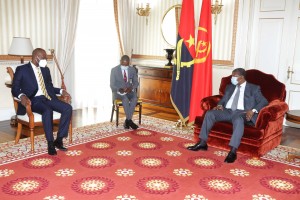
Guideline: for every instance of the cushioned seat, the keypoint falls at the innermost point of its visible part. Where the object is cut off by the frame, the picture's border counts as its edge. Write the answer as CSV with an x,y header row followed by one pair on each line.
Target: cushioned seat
x,y
266,134
37,117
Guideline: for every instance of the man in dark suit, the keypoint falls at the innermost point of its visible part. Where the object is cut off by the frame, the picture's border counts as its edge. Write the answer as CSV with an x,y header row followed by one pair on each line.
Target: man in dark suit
x,y
32,85
240,105
123,83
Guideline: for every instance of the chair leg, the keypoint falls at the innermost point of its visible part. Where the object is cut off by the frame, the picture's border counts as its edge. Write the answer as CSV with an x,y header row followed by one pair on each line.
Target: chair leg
x,y
117,115
112,113
32,139
140,113
19,130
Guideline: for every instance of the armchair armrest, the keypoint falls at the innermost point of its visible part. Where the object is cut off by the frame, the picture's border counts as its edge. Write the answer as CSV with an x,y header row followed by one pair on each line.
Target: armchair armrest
x,y
271,112
28,112
210,102
30,116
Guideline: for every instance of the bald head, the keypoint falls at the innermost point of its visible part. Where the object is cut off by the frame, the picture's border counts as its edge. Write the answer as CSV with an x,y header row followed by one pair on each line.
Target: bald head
x,y
124,60
37,55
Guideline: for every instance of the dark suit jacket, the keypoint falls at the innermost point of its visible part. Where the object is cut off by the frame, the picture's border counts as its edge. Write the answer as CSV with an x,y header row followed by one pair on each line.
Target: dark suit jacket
x,y
253,98
117,81
25,82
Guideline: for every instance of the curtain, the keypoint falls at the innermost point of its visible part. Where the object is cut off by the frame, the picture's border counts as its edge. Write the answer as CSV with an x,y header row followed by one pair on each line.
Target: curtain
x,y
64,35
124,21
96,52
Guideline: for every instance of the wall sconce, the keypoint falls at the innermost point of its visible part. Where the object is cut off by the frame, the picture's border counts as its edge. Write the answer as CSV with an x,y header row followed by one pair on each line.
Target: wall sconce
x,y
144,12
216,9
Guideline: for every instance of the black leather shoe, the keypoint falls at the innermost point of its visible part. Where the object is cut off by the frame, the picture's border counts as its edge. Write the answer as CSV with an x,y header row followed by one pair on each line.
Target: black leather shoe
x,y
51,149
132,125
126,124
231,157
59,144
198,146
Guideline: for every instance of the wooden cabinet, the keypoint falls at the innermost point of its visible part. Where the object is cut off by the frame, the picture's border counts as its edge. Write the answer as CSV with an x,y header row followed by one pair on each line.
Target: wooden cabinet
x,y
155,85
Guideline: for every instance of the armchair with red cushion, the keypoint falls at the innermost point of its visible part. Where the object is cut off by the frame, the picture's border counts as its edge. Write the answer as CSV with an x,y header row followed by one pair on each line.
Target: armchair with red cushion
x,y
266,134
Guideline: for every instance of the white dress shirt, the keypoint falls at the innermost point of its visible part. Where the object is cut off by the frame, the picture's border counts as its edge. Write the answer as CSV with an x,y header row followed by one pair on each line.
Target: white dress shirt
x,y
240,105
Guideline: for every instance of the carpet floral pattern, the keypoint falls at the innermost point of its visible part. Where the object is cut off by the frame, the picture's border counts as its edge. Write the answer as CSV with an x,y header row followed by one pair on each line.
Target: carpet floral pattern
x,y
105,162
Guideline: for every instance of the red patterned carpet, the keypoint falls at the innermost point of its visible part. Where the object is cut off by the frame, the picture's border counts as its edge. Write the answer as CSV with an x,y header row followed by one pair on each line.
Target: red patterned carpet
x,y
150,163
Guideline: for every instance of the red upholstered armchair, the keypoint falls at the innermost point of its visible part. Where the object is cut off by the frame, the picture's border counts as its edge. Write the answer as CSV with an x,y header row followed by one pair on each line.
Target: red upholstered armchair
x,y
266,134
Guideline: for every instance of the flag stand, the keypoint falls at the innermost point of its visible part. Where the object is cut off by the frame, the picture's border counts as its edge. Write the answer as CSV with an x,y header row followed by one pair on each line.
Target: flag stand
x,y
182,125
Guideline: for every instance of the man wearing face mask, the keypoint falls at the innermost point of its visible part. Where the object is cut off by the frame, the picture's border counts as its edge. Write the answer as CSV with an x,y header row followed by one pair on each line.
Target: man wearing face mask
x,y
32,85
240,105
123,83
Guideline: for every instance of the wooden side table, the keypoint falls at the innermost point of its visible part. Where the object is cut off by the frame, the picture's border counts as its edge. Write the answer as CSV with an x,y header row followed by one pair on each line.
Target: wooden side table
x,y
293,116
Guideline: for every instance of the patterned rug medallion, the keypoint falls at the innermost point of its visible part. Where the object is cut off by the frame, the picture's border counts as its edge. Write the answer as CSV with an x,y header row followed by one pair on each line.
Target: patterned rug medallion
x,y
105,162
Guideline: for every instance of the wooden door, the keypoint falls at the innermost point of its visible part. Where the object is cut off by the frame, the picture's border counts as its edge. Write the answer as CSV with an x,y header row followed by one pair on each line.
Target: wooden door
x,y
293,65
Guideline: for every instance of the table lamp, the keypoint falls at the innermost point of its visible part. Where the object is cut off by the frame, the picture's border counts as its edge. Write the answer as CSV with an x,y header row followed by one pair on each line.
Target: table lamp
x,y
21,46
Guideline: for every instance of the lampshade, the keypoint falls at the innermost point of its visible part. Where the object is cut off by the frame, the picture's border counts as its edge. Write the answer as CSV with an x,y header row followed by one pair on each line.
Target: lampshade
x,y
20,46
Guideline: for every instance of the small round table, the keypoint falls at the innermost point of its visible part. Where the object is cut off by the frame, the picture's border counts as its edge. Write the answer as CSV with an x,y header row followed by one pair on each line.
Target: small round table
x,y
293,116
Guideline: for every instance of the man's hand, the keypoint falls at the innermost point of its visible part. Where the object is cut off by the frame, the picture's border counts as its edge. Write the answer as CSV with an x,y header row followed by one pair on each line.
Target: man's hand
x,y
25,100
66,96
121,90
218,107
128,90
249,115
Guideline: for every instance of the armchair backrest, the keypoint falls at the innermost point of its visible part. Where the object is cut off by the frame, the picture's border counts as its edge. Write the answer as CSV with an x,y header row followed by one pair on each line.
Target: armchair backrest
x,y
271,88
11,73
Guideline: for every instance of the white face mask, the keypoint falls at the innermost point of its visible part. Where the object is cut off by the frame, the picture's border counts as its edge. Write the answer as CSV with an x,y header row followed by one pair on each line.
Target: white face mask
x,y
43,63
234,80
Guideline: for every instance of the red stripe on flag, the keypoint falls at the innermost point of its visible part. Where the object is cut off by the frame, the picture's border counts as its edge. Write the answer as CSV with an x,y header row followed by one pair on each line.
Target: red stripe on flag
x,y
202,74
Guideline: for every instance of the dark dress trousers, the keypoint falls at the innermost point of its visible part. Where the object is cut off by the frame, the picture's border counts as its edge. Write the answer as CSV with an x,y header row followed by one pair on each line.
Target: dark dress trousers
x,y
25,82
253,99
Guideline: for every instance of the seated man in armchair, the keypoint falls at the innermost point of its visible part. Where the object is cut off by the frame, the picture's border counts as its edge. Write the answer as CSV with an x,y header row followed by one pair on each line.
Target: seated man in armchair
x,y
240,105
32,85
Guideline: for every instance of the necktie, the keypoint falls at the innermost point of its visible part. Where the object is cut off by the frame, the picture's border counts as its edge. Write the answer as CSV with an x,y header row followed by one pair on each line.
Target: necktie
x,y
125,76
42,84
235,99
